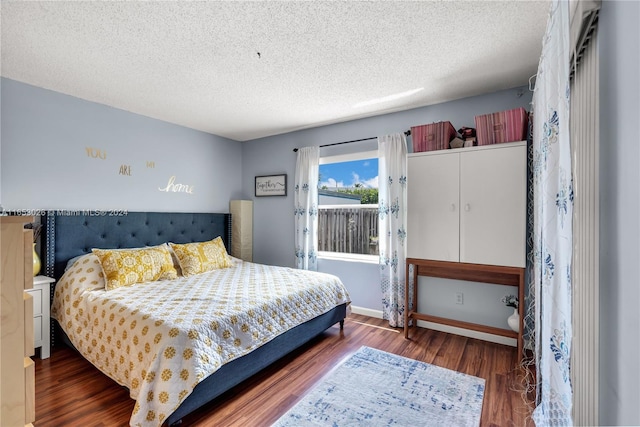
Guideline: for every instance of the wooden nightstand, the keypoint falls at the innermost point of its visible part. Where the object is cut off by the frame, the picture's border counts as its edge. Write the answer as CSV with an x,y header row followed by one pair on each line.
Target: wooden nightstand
x,y
41,314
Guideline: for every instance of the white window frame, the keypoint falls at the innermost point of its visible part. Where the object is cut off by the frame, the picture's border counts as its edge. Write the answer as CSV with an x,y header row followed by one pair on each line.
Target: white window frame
x,y
340,158
341,256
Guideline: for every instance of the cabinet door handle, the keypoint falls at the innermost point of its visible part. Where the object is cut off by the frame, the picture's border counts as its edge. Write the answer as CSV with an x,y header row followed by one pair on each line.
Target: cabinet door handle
x,y
452,208
467,207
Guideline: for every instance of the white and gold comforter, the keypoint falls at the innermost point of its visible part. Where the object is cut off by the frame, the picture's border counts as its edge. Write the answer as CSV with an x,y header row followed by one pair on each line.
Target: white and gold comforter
x,y
160,339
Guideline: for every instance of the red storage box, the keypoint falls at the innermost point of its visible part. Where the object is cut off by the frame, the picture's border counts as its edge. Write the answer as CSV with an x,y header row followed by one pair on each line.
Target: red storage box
x,y
435,136
505,126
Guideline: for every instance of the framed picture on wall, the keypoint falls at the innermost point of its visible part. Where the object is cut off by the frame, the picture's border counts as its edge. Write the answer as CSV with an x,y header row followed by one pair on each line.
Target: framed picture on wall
x,y
271,185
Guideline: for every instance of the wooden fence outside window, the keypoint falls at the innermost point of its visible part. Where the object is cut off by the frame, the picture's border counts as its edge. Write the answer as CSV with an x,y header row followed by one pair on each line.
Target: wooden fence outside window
x,y
349,229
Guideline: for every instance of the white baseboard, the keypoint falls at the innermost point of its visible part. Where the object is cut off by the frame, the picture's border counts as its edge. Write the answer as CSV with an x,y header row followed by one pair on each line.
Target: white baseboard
x,y
366,312
468,333
443,328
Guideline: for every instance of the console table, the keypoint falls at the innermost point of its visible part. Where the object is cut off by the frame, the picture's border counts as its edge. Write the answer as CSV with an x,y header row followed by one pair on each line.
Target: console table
x,y
494,274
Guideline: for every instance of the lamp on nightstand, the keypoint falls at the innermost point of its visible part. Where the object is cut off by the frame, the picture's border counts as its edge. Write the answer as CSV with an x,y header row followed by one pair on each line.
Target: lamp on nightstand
x,y
241,229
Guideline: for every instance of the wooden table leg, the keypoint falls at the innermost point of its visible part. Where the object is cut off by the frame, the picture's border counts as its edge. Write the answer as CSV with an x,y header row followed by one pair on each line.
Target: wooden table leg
x,y
406,302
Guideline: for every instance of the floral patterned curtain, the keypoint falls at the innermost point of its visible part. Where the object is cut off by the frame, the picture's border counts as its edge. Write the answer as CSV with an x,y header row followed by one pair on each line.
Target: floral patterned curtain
x,y
552,224
392,217
305,201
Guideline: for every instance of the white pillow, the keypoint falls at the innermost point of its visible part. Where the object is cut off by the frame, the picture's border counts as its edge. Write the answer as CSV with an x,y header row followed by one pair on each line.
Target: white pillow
x,y
85,271
72,261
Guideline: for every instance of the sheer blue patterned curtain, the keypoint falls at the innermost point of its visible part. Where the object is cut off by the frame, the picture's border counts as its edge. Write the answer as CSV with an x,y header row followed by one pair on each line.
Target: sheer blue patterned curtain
x,y
392,217
305,199
552,224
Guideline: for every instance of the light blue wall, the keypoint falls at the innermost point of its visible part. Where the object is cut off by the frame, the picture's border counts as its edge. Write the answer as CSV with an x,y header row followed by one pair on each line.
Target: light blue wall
x,y
619,38
273,216
361,280
50,157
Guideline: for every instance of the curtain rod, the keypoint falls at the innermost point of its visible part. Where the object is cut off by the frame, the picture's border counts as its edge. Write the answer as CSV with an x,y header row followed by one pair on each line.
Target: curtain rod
x,y
407,133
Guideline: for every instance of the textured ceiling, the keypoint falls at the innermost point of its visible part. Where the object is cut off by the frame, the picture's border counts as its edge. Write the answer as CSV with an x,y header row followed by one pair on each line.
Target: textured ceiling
x,y
245,70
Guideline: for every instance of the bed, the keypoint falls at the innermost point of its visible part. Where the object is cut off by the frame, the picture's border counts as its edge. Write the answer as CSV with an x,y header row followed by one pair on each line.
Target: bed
x,y
177,343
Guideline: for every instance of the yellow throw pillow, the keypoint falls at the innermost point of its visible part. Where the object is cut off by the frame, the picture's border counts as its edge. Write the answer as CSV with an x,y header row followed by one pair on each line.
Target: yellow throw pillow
x,y
199,257
125,267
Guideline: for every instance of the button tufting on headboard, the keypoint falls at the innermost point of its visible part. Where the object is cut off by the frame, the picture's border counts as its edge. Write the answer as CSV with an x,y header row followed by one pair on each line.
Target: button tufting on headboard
x,y
69,236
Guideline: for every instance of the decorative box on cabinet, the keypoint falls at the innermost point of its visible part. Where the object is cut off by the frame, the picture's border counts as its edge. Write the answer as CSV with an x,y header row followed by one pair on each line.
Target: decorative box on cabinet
x,y
41,315
434,136
468,205
17,395
503,126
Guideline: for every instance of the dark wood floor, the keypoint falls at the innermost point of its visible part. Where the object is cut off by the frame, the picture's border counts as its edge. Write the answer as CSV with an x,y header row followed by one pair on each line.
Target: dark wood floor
x,y
71,392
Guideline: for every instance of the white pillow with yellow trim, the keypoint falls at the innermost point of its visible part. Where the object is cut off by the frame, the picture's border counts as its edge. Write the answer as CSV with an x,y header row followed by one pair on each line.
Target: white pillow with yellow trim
x,y
86,271
126,267
199,257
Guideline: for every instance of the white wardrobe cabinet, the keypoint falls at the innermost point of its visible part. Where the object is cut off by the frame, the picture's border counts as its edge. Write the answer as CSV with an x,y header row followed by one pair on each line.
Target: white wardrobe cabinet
x,y
468,205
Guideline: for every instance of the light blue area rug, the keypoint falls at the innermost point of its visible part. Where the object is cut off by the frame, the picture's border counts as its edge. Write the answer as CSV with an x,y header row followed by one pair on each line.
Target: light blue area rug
x,y
376,388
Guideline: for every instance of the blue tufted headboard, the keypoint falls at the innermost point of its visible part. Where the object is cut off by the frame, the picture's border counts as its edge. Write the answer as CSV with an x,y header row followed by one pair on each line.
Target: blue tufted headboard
x,y
72,233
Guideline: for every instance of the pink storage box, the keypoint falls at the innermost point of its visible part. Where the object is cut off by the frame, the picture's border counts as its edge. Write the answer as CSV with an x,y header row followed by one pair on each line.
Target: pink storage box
x,y
505,126
434,136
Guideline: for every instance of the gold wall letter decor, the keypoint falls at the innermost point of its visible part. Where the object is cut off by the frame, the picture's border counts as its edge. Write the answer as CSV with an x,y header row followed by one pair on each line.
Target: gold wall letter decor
x,y
125,170
96,153
173,187
151,164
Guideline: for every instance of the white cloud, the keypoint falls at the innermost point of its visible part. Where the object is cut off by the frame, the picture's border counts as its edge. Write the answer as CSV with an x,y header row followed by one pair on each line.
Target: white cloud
x,y
331,183
368,183
371,183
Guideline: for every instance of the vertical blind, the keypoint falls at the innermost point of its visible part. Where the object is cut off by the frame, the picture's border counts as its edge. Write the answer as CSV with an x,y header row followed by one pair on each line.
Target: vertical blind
x,y
585,143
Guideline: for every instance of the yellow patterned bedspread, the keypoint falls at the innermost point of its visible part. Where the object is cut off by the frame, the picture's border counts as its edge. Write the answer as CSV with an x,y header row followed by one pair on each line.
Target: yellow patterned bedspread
x,y
160,339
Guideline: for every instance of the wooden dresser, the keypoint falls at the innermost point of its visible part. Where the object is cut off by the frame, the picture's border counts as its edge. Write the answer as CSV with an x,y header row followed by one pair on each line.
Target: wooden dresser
x,y
17,392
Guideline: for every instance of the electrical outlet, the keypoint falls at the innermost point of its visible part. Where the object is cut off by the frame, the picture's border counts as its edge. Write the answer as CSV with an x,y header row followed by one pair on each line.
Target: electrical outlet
x,y
459,298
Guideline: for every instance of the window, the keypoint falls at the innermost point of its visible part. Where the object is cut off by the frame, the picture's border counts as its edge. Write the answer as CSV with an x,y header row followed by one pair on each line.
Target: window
x,y
348,206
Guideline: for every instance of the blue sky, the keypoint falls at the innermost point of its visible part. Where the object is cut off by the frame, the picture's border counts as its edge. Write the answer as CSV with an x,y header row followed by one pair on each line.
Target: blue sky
x,y
347,174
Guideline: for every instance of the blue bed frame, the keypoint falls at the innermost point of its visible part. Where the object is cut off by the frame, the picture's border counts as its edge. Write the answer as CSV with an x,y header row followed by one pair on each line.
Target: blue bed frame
x,y
73,233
